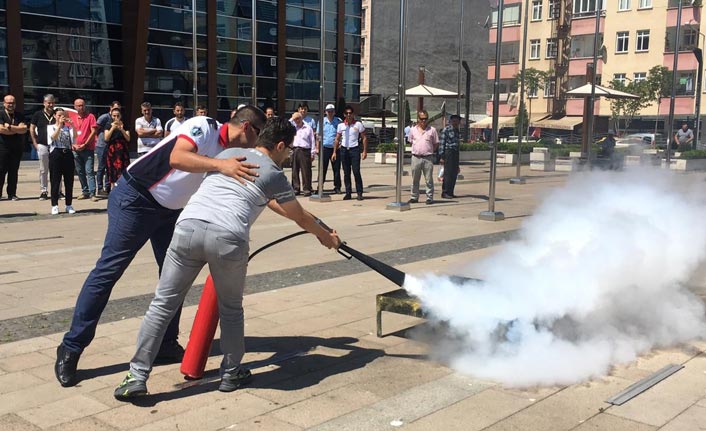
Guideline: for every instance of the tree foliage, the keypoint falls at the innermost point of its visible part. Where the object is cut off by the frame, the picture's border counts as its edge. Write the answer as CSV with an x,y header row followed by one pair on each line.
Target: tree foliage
x,y
534,80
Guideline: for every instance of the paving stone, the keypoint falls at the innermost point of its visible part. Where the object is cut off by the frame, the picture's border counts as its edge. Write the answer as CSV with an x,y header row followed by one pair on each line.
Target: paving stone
x,y
61,411
263,423
24,346
83,424
606,421
11,382
13,422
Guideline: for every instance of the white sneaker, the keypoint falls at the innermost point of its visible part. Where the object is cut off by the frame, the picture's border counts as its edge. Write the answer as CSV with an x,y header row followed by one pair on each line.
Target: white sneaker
x,y
55,210
70,209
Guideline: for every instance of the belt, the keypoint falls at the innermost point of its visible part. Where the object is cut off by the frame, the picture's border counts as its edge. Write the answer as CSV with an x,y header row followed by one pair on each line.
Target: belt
x,y
139,188
421,156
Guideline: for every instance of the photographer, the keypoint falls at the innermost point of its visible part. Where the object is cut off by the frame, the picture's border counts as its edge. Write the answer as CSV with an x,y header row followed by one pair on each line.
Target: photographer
x,y
62,136
117,152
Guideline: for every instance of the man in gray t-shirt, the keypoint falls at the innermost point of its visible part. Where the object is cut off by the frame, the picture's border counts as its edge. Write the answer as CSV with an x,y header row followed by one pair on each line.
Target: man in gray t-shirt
x,y
214,228
684,137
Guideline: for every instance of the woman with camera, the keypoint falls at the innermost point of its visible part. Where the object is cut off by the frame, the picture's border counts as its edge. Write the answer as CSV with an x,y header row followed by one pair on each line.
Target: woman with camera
x,y
62,135
117,152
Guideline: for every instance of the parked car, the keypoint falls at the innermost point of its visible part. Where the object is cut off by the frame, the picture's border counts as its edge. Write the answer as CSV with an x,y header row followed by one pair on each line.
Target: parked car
x,y
643,140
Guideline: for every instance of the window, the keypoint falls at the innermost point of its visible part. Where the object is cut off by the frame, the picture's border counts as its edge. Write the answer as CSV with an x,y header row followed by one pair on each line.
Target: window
x,y
643,41
620,77
549,88
639,76
532,92
685,83
587,7
534,49
536,10
551,48
621,43
623,4
511,15
644,4
553,9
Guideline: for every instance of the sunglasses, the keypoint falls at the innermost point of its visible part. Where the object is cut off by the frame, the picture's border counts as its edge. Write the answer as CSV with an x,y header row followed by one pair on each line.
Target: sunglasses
x,y
348,113
254,127
423,119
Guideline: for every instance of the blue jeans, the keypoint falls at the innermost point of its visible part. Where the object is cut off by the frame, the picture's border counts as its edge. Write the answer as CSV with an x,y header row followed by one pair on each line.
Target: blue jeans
x,y
132,220
84,170
100,172
350,159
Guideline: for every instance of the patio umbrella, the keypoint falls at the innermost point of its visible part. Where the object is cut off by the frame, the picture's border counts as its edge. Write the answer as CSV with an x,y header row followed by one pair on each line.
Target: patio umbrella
x,y
428,91
585,90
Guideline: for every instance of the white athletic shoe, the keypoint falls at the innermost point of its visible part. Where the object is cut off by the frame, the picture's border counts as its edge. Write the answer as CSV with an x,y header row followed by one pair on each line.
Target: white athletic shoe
x,y
55,210
70,209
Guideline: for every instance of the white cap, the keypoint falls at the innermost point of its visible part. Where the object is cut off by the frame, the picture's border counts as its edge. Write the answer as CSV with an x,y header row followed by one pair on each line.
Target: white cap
x,y
242,105
330,107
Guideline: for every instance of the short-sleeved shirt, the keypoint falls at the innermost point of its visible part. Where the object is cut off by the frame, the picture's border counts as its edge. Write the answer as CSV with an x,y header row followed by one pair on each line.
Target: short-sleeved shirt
x,y
311,122
84,127
424,141
223,201
146,144
350,133
330,129
14,120
103,123
63,141
171,187
172,124
683,136
41,120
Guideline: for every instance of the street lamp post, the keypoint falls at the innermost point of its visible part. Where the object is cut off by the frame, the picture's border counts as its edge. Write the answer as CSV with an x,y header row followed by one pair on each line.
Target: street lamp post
x,y
398,205
253,35
594,79
491,214
675,64
320,196
194,56
460,56
698,53
518,177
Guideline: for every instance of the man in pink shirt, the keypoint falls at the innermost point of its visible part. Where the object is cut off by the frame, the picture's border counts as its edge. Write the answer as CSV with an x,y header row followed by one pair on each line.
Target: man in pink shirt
x,y
425,142
84,147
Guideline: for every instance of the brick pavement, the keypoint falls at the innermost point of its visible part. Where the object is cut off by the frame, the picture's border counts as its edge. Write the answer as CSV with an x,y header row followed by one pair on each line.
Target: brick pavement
x,y
345,378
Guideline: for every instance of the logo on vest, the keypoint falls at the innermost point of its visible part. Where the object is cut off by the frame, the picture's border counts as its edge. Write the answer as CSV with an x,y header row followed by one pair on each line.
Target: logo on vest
x,y
196,131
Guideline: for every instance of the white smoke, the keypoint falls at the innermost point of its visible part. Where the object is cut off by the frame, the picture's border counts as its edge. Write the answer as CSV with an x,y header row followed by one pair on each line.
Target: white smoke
x,y
596,278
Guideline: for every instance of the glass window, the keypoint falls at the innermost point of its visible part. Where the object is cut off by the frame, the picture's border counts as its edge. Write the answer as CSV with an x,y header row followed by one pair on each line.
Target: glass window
x,y
550,87
643,40
304,70
644,4
551,48
639,76
353,7
553,9
582,46
623,4
534,49
536,10
511,15
303,17
71,75
532,92
687,42
298,36
587,7
620,77
622,41
685,83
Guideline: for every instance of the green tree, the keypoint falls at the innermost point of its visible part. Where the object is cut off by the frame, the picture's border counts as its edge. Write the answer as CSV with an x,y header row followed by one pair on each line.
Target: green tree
x,y
659,81
534,80
628,108
523,118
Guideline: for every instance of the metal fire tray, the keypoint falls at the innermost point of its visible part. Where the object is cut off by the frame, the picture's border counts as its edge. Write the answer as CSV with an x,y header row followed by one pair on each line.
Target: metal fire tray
x,y
397,301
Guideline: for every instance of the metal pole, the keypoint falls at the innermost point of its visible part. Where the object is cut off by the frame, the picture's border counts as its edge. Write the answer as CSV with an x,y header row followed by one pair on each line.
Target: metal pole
x,y
699,77
592,98
398,205
460,56
466,134
518,176
491,214
194,56
253,36
670,127
320,196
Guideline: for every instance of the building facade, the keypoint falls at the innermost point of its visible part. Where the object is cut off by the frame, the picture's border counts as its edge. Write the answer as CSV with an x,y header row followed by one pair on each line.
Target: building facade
x,y
135,51
634,36
432,45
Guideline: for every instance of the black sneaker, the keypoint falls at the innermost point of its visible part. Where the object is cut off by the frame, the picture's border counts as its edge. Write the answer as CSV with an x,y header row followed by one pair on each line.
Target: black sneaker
x,y
130,388
171,353
14,198
65,366
413,201
360,197
347,197
234,380
43,196
429,201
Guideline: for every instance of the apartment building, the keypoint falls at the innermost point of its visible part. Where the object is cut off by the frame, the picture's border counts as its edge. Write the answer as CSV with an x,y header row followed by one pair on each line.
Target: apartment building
x,y
634,36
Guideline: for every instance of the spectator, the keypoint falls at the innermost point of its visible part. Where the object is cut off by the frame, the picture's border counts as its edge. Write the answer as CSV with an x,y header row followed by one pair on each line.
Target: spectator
x,y
684,137
449,152
102,184
607,145
62,135
331,123
178,119
145,206
425,142
201,111
304,153
148,129
210,222
347,135
12,137
84,150
303,109
38,133
118,152
269,112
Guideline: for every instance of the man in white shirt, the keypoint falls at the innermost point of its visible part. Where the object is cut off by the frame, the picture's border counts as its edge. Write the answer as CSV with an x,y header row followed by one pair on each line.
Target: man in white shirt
x,y
178,119
347,136
305,150
148,128
425,142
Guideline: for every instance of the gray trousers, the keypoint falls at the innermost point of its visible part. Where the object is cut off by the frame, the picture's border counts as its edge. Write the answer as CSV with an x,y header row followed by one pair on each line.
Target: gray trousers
x,y
195,243
421,165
